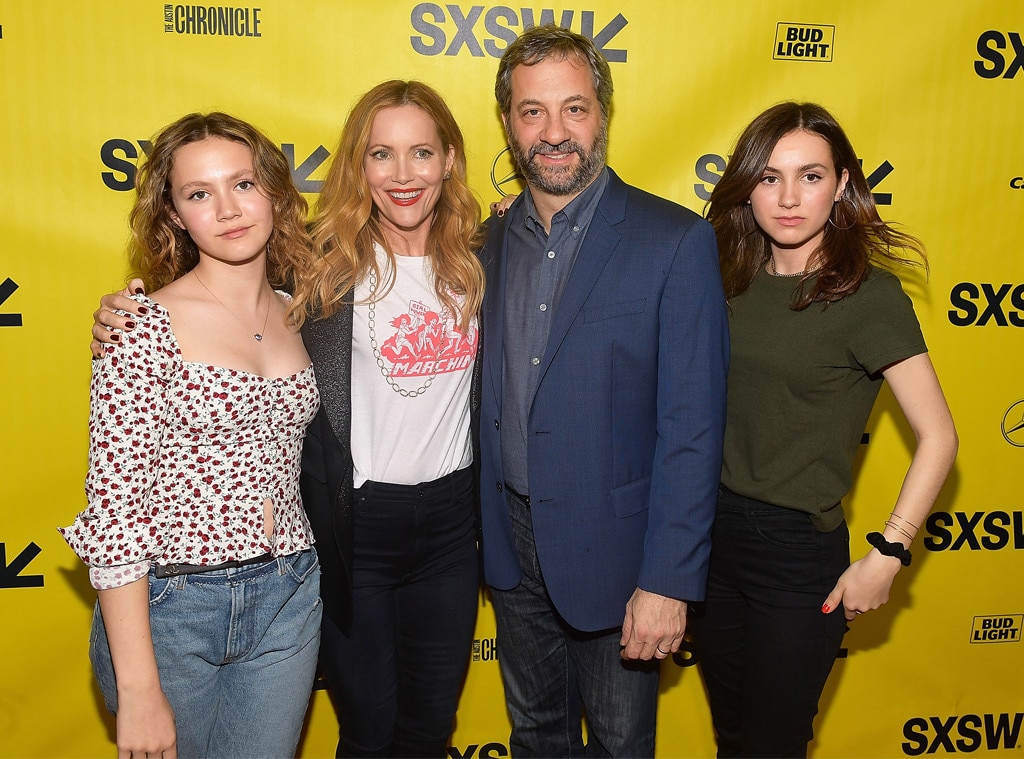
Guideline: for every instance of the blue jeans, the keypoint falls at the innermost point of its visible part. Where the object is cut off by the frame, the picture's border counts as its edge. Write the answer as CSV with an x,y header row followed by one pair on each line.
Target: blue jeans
x,y
553,673
763,645
397,675
236,650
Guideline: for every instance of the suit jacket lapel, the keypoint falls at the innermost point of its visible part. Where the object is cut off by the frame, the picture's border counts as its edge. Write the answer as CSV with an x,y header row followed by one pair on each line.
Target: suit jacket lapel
x,y
493,321
329,345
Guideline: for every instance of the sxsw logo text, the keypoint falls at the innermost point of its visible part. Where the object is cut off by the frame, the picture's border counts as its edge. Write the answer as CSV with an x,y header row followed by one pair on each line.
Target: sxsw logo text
x,y
979,304
478,751
803,42
993,62
485,649
978,531
120,157
220,21
452,29
966,733
709,168
1000,629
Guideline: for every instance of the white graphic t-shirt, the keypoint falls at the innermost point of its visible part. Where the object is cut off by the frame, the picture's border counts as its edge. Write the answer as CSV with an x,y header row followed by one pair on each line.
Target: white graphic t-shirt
x,y
410,393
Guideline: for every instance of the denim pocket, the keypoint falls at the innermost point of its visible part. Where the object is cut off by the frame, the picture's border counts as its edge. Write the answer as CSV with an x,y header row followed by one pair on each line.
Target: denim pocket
x,y
300,566
160,589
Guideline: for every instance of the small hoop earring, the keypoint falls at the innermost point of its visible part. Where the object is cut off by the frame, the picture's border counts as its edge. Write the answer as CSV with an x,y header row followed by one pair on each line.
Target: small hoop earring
x,y
835,204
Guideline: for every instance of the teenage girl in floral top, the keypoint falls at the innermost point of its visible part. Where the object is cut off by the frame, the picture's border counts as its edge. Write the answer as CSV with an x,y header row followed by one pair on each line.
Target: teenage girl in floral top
x,y
206,633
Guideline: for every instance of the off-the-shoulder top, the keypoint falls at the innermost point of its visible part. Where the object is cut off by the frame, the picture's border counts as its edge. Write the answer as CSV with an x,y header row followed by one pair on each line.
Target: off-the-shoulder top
x,y
182,456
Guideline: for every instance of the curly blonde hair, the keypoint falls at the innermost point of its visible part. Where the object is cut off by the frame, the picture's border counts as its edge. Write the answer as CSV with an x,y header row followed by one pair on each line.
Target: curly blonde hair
x,y
346,224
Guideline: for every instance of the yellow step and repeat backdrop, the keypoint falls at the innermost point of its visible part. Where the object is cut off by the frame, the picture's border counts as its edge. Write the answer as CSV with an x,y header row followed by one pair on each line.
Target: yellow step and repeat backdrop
x,y
932,96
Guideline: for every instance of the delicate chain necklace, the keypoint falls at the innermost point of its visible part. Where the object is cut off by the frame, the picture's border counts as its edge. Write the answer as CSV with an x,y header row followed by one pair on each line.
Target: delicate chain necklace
x,y
376,350
771,270
258,336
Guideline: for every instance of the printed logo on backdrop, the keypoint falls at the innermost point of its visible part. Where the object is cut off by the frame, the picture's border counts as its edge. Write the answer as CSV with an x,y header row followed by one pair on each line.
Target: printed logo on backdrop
x,y
999,55
215,20
481,30
709,168
120,157
485,649
980,304
1017,183
997,629
7,288
11,575
504,177
1012,425
803,42
478,751
962,733
974,531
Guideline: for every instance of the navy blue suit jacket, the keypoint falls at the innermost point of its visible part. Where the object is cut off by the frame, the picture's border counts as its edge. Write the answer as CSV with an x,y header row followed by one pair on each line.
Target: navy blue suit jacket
x,y
624,436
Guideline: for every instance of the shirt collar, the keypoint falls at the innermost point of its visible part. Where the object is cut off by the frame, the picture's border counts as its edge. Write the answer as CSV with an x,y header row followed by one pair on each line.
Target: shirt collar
x,y
578,212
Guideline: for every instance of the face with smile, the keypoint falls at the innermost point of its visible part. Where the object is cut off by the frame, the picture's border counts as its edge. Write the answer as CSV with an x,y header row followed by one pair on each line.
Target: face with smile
x,y
556,129
216,200
405,164
794,197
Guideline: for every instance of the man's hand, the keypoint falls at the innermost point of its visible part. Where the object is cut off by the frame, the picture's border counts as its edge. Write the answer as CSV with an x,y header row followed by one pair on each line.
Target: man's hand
x,y
653,627
105,320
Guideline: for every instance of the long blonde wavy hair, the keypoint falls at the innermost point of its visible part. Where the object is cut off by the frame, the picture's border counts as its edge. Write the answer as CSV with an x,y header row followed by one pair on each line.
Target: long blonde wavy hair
x,y
161,251
346,224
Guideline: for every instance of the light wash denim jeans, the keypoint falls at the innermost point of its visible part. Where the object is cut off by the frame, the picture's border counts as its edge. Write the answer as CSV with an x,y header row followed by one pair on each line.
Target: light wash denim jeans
x,y
236,650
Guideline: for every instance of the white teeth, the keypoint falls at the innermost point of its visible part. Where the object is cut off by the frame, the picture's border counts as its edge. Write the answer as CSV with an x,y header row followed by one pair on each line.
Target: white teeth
x,y
407,195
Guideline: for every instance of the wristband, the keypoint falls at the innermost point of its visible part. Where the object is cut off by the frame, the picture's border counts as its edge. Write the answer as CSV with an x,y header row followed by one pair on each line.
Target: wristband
x,y
884,547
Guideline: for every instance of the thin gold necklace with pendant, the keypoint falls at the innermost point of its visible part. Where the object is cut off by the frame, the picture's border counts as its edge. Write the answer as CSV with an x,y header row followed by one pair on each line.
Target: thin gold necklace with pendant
x,y
257,336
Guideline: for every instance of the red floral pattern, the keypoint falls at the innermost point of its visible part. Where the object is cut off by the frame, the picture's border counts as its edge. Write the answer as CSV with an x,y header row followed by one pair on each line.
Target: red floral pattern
x,y
182,457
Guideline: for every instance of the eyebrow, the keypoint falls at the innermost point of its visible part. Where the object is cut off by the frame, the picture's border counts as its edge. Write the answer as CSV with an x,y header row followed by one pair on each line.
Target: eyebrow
x,y
199,184
566,101
805,167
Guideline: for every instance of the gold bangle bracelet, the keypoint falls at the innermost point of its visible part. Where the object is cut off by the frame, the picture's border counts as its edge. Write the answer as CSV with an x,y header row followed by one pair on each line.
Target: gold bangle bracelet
x,y
903,519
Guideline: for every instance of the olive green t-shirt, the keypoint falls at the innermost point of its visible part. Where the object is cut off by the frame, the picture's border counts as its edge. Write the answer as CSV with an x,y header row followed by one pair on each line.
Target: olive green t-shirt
x,y
801,387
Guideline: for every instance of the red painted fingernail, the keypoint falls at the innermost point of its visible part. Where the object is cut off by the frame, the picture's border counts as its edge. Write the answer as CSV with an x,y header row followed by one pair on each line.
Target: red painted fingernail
x,y
143,310
129,325
139,291
825,609
116,338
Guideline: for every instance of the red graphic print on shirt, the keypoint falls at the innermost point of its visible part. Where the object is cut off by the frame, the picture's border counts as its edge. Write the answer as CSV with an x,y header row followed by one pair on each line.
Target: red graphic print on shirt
x,y
426,342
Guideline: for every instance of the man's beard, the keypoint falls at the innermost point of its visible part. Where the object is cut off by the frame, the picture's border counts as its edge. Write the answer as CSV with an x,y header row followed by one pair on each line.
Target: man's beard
x,y
560,180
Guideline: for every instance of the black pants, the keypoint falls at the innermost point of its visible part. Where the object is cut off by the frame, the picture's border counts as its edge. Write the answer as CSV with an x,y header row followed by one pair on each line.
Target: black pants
x,y
764,647
396,678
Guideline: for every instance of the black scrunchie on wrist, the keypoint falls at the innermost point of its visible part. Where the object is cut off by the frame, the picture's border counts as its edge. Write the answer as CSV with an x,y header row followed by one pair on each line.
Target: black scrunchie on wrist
x,y
878,541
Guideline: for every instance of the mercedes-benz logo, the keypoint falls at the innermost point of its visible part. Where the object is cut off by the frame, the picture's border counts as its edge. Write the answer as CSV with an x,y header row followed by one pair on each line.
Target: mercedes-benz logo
x,y
503,174
1013,424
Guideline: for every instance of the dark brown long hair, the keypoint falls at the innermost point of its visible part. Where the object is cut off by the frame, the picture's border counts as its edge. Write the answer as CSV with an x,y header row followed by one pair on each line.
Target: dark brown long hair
x,y
855,237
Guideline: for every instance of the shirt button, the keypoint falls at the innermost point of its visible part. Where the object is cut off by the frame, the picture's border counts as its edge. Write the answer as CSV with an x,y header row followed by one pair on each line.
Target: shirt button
x,y
551,254
543,306
535,361
576,229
